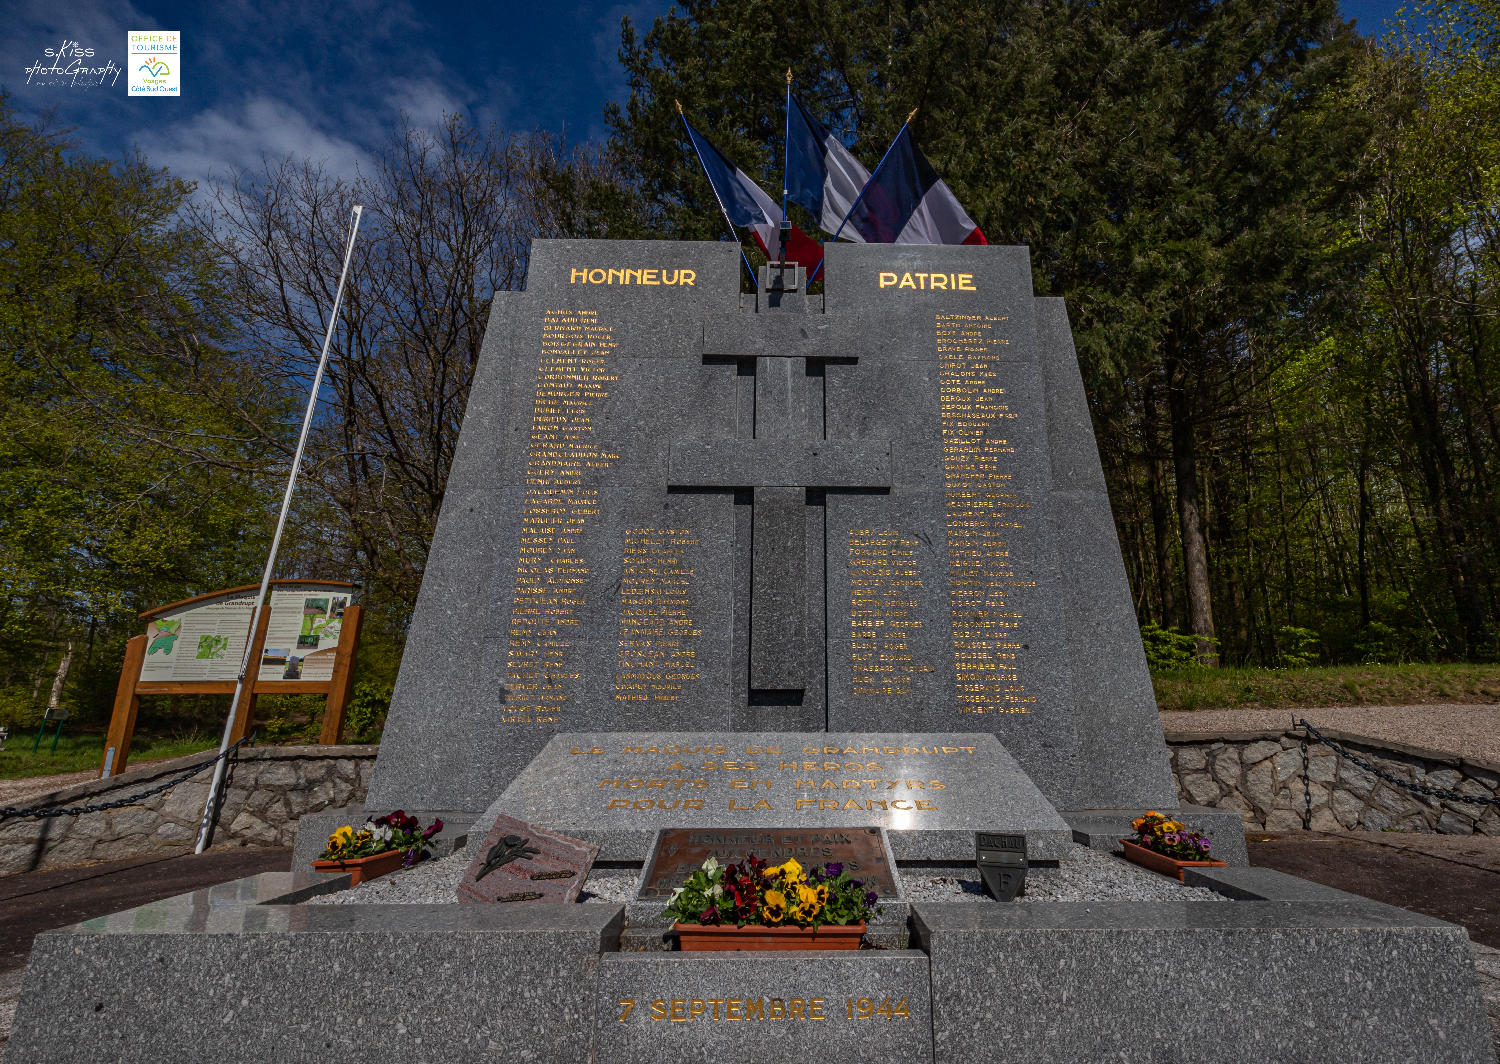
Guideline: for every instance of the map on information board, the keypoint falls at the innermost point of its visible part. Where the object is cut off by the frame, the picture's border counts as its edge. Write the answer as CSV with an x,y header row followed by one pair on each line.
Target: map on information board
x,y
203,642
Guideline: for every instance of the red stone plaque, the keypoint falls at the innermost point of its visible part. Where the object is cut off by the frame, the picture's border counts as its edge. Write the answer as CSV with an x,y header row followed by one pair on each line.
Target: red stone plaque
x,y
520,862
678,851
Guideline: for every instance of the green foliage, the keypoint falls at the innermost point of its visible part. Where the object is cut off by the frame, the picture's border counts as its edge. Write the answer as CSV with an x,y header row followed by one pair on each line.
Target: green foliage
x,y
364,717
289,720
130,430
1297,647
84,751
18,709
1381,645
1345,685
1166,649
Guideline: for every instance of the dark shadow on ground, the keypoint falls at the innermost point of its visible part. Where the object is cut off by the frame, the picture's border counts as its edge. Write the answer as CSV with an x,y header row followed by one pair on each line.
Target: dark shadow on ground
x,y
33,902
1457,889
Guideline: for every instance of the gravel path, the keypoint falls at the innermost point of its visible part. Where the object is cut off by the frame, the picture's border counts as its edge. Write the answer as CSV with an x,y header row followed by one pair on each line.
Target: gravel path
x,y
1087,875
11,790
1471,732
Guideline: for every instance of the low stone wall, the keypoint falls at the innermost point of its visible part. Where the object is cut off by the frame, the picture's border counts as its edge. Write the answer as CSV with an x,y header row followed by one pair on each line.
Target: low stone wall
x,y
269,789
1256,774
1260,776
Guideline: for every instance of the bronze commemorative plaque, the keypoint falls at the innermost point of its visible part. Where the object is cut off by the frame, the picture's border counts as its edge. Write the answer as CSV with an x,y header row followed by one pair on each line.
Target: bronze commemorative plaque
x,y
678,851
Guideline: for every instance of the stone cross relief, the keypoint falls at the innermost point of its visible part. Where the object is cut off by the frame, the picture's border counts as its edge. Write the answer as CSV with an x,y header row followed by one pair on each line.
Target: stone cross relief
x,y
787,455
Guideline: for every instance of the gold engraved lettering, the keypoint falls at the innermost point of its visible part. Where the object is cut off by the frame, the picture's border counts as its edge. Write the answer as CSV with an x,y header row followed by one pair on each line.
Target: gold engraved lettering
x,y
930,282
882,598
656,593
573,375
983,510
632,275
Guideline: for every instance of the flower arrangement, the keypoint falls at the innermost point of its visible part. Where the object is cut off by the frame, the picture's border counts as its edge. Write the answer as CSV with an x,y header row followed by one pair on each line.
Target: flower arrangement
x,y
757,893
394,831
1170,838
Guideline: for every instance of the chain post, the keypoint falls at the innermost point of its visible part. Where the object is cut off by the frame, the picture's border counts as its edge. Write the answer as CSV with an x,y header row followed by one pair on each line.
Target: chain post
x,y
1306,784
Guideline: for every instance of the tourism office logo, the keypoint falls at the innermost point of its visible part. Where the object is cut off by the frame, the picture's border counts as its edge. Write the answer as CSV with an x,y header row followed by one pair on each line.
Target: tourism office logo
x,y
153,59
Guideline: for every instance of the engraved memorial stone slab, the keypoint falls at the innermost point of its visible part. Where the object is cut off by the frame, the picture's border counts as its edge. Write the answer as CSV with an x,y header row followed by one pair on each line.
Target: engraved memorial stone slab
x,y
677,506
930,791
678,852
521,862
862,1005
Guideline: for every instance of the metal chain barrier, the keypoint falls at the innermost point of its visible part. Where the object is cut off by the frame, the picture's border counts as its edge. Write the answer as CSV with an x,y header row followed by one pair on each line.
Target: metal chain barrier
x,y
1306,789
11,813
1420,788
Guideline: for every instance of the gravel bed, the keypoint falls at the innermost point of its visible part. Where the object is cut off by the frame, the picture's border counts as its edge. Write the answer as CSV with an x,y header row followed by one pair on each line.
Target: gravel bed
x,y
429,883
1087,875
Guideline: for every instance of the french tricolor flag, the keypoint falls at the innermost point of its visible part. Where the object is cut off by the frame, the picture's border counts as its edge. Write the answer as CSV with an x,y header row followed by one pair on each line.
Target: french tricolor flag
x,y
907,203
748,206
822,175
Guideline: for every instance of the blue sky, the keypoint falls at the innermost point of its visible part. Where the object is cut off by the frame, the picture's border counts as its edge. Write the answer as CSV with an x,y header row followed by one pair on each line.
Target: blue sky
x,y
328,81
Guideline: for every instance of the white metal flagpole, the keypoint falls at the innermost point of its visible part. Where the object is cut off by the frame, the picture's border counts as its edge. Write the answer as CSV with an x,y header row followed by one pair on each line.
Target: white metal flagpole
x,y
205,828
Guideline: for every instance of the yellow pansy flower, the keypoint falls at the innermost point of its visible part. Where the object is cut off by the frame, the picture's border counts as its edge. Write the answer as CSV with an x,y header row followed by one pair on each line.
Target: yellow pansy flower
x,y
775,907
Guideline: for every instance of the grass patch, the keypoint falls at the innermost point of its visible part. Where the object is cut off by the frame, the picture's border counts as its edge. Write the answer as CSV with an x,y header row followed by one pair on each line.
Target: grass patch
x,y
1349,685
77,753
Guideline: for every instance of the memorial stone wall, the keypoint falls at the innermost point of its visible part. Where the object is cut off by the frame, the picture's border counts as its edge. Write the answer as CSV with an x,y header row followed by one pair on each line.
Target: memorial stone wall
x,y
676,506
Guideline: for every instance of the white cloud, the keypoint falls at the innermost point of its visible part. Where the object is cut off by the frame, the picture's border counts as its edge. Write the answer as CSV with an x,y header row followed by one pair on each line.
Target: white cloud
x,y
99,26
423,100
217,141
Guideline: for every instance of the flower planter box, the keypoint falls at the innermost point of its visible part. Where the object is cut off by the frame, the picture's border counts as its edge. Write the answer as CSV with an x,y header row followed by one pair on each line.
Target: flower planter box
x,y
363,869
1160,862
694,937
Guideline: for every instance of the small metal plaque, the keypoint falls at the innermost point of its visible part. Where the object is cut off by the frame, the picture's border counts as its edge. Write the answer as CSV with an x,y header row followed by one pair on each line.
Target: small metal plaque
x,y
1002,864
678,851
521,862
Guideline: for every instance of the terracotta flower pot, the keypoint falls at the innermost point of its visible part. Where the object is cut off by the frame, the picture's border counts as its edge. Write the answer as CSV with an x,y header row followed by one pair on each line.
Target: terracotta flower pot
x,y
363,869
1160,862
728,937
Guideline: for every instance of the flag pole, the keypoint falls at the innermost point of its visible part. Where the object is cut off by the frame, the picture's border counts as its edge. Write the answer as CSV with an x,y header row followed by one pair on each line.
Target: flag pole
x,y
786,163
732,234
206,826
873,174
869,180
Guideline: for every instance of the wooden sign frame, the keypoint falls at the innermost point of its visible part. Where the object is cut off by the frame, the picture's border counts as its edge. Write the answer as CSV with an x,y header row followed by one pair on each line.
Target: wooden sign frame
x,y
131,688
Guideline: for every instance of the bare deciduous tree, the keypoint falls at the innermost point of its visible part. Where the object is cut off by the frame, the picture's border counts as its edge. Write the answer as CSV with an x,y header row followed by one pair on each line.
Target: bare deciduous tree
x,y
450,214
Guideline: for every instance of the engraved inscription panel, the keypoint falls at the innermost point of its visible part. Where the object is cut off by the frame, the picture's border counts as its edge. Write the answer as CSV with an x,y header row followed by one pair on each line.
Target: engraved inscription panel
x,y
884,583
984,512
658,654
572,377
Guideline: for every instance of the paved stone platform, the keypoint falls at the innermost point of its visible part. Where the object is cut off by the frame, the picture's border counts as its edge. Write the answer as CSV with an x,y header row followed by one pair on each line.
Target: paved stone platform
x,y
1060,981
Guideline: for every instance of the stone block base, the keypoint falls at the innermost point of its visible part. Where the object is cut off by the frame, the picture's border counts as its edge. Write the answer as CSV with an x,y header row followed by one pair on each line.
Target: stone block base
x,y
1289,971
